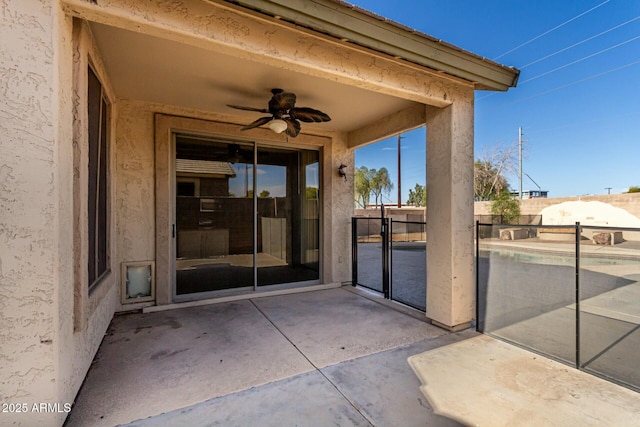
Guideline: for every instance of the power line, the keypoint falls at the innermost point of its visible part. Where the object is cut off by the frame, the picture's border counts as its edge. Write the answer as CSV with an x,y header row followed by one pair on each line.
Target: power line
x,y
599,118
580,60
568,84
551,30
573,62
579,43
567,48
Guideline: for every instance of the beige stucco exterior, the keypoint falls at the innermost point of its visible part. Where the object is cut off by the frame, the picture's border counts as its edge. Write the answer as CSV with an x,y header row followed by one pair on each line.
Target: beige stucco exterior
x,y
51,329
629,202
51,324
31,225
451,296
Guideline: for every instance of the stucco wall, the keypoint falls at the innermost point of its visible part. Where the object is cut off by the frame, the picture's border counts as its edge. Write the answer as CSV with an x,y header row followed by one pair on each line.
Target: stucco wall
x,y
628,203
398,214
450,261
43,358
135,199
592,210
29,205
84,318
338,209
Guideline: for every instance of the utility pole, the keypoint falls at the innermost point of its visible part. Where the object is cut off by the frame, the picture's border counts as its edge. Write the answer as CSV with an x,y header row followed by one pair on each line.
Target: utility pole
x,y
399,174
608,189
520,157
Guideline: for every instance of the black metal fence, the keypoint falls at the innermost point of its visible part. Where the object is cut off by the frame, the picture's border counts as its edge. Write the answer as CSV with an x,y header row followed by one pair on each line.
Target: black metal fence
x,y
568,292
389,257
367,254
408,259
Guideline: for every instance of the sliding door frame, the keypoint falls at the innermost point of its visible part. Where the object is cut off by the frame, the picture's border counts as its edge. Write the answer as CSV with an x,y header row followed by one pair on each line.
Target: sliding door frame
x,y
256,145
165,126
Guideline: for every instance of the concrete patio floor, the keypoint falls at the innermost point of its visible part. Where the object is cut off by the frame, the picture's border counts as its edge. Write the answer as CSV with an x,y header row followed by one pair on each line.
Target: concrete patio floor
x,y
330,357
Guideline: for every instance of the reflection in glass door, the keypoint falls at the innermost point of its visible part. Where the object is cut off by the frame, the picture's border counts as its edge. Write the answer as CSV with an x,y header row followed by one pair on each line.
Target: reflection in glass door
x,y
287,199
214,215
229,236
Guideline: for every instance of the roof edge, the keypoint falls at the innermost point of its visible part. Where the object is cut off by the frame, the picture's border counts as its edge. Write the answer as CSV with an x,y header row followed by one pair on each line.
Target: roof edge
x,y
351,23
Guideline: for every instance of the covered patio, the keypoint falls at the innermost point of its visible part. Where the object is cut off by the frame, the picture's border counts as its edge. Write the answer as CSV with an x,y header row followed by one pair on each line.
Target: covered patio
x,y
312,358
331,357
125,162
173,80
109,103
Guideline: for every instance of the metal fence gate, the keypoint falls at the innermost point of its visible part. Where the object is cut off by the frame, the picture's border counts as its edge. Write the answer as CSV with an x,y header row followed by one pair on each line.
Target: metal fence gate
x,y
389,257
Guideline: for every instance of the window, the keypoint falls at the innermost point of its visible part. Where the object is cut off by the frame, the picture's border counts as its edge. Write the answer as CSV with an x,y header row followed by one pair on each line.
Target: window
x,y
97,208
187,187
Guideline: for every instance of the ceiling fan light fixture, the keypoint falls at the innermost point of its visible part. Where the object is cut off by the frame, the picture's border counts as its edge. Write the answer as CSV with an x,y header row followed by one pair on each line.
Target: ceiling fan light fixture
x,y
284,115
278,125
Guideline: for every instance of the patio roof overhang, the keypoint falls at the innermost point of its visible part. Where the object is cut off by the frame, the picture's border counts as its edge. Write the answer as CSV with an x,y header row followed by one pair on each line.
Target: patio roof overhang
x,y
372,76
362,27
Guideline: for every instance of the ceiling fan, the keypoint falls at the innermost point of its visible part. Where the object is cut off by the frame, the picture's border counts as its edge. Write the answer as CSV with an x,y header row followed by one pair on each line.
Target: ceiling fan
x,y
285,116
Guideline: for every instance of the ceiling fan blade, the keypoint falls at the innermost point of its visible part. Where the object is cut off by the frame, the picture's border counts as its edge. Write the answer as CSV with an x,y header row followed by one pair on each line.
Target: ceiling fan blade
x,y
256,123
281,102
239,107
293,127
309,115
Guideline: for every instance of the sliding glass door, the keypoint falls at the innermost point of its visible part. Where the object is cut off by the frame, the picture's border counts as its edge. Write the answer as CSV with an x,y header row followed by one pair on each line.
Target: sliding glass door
x,y
230,238
288,213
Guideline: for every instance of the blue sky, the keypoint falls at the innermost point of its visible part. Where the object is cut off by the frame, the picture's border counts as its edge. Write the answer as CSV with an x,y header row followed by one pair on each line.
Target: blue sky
x,y
579,107
271,178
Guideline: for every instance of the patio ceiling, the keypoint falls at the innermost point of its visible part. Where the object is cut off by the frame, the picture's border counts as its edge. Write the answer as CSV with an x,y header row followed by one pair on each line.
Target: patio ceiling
x,y
148,68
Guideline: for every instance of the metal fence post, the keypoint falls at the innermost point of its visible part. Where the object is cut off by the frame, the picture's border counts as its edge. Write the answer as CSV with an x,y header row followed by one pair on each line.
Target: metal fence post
x,y
390,256
478,276
385,257
384,234
578,235
354,251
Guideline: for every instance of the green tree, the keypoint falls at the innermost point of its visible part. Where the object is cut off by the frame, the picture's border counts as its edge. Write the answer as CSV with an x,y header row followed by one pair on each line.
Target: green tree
x,y
362,186
634,189
380,183
370,181
312,193
418,196
505,205
264,194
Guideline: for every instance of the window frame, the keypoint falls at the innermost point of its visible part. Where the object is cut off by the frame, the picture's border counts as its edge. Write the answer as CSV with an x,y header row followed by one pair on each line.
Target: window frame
x,y
98,182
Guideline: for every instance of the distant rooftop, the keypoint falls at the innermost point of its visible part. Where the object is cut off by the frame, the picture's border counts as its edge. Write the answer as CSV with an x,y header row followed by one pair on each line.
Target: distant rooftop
x,y
206,167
